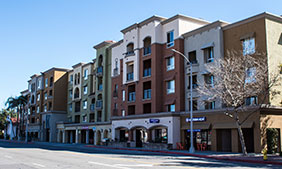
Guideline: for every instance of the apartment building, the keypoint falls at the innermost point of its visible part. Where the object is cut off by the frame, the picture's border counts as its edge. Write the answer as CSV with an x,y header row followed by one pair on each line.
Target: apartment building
x,y
88,101
54,102
35,102
213,130
148,82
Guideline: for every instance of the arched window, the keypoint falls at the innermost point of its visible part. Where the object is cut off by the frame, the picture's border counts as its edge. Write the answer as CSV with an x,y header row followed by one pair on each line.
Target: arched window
x,y
147,46
100,61
76,93
130,49
75,79
78,78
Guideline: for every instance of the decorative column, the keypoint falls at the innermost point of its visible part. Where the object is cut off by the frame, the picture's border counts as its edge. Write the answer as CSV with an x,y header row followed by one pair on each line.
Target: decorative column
x,y
76,136
87,136
64,136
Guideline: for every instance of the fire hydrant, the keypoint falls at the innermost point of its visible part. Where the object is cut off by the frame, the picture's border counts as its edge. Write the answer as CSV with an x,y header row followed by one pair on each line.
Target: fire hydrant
x,y
264,154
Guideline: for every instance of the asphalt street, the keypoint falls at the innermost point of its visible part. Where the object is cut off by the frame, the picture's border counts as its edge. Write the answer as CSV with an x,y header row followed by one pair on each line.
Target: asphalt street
x,y
48,156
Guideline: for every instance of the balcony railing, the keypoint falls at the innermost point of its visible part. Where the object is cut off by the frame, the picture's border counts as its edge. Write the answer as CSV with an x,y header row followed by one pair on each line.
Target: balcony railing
x,y
115,112
100,71
147,50
129,76
147,72
147,94
99,104
131,96
129,53
92,107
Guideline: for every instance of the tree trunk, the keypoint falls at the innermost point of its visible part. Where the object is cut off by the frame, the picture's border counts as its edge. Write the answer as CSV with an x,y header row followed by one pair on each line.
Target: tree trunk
x,y
241,137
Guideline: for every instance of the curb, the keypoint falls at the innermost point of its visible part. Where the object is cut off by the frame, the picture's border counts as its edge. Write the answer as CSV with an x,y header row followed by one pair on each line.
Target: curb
x,y
15,141
194,155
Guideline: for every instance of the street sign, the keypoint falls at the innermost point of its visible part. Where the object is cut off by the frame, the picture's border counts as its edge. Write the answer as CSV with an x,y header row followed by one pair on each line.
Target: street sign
x,y
195,130
93,128
196,119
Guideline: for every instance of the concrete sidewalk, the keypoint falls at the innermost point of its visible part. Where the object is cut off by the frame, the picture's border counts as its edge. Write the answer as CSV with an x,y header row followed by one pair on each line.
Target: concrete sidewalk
x,y
235,157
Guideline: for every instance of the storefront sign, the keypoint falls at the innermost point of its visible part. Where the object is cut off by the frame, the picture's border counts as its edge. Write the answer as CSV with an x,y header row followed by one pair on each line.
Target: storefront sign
x,y
196,119
85,127
154,120
195,130
93,128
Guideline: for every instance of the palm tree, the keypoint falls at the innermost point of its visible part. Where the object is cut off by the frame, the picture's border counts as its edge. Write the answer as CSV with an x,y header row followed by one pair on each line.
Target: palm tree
x,y
17,104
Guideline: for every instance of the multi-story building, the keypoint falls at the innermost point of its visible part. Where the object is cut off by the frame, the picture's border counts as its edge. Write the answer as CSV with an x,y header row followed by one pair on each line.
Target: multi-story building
x,y
213,129
35,86
24,115
88,100
148,82
54,102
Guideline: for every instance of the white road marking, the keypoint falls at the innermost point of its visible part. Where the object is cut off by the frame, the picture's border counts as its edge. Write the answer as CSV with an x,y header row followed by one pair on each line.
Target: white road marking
x,y
135,165
107,165
39,165
8,156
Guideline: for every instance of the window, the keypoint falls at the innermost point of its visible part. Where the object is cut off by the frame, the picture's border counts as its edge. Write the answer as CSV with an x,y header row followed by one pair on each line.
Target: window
x,y
130,75
123,95
70,107
250,75
85,74
209,105
193,57
248,46
51,81
209,79
38,97
85,104
39,84
71,79
171,108
45,95
130,49
170,39
194,104
147,68
37,109
32,87
45,108
208,54
170,63
147,46
251,100
170,86
194,82
85,90
50,105
123,113
70,93
50,92
84,118
46,82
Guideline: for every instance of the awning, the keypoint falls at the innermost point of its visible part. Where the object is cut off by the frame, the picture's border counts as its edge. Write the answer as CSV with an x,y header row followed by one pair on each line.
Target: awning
x,y
203,126
232,125
170,101
211,44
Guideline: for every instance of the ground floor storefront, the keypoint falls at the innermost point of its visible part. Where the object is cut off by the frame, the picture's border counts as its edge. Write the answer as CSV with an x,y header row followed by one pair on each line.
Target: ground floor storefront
x,y
84,133
216,131
156,131
34,132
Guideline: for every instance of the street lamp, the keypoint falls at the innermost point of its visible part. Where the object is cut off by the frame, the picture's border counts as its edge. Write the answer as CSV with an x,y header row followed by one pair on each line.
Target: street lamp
x,y
191,150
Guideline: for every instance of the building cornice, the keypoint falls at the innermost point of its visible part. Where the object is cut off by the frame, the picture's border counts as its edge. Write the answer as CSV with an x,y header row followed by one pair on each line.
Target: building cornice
x,y
179,16
104,43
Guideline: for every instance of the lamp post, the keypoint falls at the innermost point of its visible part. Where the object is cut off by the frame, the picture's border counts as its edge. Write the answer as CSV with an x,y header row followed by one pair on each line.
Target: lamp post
x,y
191,150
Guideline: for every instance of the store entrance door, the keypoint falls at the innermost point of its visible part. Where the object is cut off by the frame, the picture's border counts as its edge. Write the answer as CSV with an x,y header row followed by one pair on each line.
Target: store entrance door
x,y
138,138
223,137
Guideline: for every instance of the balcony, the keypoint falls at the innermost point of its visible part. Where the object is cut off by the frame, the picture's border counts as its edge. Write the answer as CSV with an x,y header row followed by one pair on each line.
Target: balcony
x,y
131,97
77,109
147,51
147,94
92,107
100,71
76,96
115,93
99,104
129,76
147,72
115,112
129,53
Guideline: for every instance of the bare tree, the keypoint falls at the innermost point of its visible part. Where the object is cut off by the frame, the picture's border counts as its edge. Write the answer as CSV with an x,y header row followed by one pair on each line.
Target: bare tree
x,y
240,81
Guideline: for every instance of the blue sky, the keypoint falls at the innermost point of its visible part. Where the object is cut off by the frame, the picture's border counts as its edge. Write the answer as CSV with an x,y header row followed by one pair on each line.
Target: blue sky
x,y
36,35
